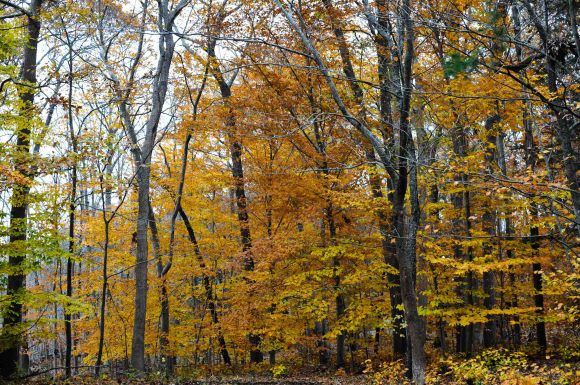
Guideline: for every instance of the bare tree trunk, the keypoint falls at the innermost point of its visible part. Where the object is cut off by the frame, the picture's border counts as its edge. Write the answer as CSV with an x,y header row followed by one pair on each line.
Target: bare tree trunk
x,y
406,250
104,288
162,271
166,19
534,236
70,272
416,332
527,136
530,154
567,126
387,78
106,200
399,339
207,287
20,196
339,297
72,210
236,148
515,334
490,327
416,329
399,344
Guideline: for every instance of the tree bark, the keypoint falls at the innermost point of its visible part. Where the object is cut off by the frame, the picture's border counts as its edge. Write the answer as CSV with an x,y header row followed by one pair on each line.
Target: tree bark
x,y
339,297
106,201
407,253
102,308
211,301
515,335
18,226
72,212
567,126
399,343
162,270
406,250
531,158
490,327
166,19
236,148
387,78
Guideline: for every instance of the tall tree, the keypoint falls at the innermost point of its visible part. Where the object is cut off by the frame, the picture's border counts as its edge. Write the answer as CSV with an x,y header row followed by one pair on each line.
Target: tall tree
x,y
18,227
405,169
237,165
142,154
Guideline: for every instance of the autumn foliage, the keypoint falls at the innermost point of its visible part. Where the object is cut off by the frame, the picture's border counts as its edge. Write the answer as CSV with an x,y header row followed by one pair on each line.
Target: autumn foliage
x,y
321,186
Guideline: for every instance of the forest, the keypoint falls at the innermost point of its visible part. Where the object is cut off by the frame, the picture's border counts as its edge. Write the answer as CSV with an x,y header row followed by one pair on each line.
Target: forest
x,y
379,192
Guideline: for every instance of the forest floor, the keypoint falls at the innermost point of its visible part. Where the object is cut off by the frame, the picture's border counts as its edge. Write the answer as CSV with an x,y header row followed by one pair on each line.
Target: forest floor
x,y
490,367
545,373
226,380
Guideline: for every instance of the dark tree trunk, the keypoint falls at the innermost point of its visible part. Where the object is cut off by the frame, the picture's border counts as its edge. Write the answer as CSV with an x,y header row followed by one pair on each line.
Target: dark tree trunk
x,y
236,148
19,202
490,327
207,286
141,286
389,252
390,258
406,245
539,298
102,309
416,332
256,355
531,158
72,212
534,236
389,249
69,275
515,334
320,329
339,297
162,271
106,200
566,126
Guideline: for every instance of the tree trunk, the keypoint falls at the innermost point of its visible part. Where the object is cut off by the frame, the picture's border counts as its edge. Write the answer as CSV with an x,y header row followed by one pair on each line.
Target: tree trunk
x,y
490,327
106,200
530,156
102,309
320,329
69,274
339,297
534,236
72,209
390,257
236,148
416,332
399,344
515,335
141,286
166,19
405,250
19,202
207,286
166,357
538,296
